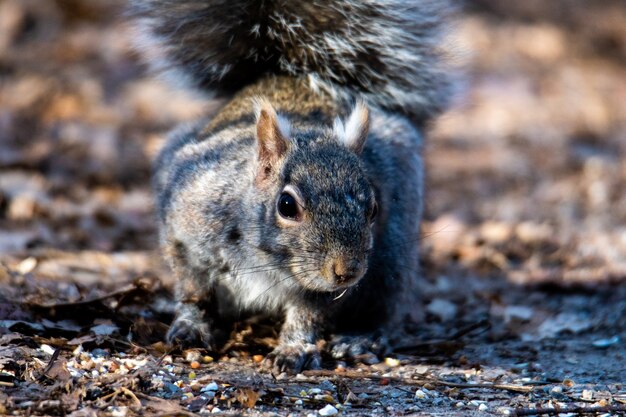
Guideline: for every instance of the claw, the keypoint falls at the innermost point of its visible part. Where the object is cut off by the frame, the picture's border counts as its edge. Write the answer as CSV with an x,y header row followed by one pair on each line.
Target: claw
x,y
185,333
293,358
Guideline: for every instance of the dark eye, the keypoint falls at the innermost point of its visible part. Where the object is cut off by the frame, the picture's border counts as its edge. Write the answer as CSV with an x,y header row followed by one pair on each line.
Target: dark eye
x,y
374,212
287,206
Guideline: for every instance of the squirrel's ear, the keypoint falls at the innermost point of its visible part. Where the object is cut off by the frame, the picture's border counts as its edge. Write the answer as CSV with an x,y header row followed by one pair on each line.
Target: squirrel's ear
x,y
354,133
272,133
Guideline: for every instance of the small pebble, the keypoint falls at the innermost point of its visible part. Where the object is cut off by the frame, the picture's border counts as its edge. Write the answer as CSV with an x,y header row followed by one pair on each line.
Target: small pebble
x,y
171,388
100,353
605,343
323,397
395,393
327,385
482,407
191,355
192,375
392,362
420,395
47,349
587,395
210,387
216,410
328,410
26,266
195,365
117,411
257,358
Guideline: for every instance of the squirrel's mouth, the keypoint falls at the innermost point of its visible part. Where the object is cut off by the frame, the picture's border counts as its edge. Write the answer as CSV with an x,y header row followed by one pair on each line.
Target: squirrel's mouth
x,y
321,285
335,272
340,282
322,282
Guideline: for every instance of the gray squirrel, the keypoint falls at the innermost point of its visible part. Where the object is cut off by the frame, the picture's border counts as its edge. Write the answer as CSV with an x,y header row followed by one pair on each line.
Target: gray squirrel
x,y
302,197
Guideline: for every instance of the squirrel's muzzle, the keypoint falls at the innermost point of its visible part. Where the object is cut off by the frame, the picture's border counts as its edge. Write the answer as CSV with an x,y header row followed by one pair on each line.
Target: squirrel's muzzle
x,y
343,271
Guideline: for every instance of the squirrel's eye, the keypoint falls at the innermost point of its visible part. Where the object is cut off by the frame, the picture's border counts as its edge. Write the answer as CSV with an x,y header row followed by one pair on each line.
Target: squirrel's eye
x,y
287,206
374,211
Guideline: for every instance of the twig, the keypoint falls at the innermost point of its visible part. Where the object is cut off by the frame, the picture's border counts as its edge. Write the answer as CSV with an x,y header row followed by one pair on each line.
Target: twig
x,y
506,387
160,360
483,325
106,399
540,383
6,384
420,382
564,410
132,395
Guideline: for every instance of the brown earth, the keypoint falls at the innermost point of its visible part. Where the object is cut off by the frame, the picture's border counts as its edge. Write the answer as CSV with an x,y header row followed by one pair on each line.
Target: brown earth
x,y
524,241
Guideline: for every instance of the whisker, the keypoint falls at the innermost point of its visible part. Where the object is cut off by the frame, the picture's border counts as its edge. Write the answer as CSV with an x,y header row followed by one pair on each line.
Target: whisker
x,y
340,295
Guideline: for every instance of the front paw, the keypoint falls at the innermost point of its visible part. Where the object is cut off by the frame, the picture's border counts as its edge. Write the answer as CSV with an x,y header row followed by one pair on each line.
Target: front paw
x,y
293,358
187,333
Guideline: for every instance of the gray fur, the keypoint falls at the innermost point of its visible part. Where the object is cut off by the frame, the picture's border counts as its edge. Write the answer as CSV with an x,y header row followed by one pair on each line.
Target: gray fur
x,y
388,51
332,268
237,260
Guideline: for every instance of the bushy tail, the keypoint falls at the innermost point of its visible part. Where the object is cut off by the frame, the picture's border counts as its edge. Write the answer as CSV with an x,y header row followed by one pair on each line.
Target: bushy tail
x,y
387,50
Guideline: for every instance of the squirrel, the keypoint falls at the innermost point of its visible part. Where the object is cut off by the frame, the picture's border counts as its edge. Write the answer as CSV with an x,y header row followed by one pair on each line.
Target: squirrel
x,y
302,197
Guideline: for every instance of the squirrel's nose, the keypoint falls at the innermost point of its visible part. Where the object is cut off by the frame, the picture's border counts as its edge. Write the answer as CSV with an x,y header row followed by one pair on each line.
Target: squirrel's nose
x,y
346,270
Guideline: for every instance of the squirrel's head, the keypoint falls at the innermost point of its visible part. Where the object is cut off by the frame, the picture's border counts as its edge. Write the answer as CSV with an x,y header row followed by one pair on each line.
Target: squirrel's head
x,y
320,204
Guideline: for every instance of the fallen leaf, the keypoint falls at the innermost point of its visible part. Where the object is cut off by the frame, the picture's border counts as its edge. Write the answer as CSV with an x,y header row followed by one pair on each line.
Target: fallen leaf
x,y
247,397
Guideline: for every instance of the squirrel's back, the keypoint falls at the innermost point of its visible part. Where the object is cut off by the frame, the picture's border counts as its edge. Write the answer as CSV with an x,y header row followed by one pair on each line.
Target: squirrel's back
x,y
388,51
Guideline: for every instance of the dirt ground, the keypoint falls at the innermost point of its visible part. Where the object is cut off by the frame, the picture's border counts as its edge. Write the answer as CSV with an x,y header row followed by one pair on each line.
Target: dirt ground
x,y
524,241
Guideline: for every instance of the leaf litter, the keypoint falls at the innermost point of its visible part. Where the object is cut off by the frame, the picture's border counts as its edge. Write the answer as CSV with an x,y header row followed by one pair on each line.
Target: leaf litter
x,y
523,246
